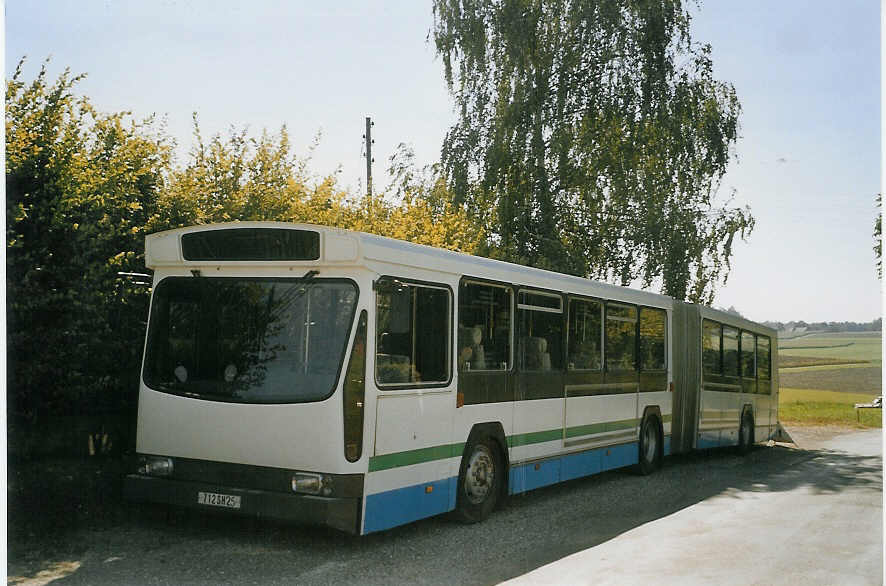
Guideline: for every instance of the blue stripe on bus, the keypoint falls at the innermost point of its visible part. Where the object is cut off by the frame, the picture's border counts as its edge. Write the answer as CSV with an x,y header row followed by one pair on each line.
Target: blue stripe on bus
x,y
667,446
411,503
708,439
404,505
534,475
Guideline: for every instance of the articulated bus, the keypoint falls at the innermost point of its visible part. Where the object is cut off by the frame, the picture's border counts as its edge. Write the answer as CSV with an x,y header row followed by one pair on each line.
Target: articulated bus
x,y
308,373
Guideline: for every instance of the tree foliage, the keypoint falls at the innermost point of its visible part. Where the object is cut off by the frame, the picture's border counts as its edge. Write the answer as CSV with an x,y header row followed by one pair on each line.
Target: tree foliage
x,y
80,187
591,138
240,178
85,187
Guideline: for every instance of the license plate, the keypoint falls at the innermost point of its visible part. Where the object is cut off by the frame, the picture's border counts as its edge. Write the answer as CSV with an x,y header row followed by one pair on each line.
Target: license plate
x,y
214,499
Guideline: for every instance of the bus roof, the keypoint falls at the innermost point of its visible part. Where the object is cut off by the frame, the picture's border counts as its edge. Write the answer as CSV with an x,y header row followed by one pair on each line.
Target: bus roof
x,y
347,247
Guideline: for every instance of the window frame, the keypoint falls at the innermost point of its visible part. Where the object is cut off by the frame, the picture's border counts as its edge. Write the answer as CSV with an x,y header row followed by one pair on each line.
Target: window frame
x,y
636,322
719,348
602,304
541,293
737,330
768,356
561,297
467,280
640,367
143,375
741,351
449,345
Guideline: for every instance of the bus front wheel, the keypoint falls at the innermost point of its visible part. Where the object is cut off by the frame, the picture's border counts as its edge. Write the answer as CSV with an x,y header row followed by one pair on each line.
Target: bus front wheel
x,y
479,480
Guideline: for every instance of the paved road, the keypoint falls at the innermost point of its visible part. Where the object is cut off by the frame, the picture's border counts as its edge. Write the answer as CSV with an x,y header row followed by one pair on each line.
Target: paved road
x,y
818,521
779,515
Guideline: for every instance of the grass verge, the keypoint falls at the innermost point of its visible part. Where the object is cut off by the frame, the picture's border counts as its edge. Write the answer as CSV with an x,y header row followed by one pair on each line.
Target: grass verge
x,y
814,407
786,361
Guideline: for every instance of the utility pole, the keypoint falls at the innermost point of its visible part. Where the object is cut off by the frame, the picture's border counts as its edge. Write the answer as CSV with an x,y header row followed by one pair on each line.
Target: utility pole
x,y
369,160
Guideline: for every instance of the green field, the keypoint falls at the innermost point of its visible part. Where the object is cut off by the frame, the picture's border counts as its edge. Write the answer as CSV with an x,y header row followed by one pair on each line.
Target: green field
x,y
811,407
865,378
822,376
843,346
789,361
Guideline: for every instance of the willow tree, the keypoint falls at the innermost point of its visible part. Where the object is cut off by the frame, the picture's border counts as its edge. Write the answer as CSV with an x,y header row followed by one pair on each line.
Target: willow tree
x,y
592,138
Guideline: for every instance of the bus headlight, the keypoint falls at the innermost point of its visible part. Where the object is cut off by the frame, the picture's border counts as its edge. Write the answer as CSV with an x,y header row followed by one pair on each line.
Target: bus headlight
x,y
154,466
307,483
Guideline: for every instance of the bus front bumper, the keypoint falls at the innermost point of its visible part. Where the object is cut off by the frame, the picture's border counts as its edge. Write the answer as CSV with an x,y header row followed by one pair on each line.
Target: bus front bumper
x,y
341,513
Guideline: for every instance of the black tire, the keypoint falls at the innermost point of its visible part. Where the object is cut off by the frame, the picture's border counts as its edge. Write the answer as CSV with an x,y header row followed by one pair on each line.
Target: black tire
x,y
745,434
650,445
479,480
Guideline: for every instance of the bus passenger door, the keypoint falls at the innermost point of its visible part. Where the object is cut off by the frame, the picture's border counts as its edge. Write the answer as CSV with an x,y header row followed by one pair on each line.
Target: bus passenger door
x,y
538,389
410,467
621,385
585,411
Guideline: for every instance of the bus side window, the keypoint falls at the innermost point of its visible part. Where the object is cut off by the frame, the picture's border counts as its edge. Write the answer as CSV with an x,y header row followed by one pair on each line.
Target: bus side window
x,y
585,334
748,353
540,331
484,327
710,348
763,359
730,351
621,336
412,333
652,339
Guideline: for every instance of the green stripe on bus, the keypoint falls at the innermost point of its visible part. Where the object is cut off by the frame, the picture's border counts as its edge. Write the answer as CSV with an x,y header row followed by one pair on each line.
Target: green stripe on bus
x,y
432,453
411,457
535,437
422,455
601,427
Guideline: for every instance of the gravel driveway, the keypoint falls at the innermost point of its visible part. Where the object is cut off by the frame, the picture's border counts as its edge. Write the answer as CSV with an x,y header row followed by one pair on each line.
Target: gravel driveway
x,y
150,546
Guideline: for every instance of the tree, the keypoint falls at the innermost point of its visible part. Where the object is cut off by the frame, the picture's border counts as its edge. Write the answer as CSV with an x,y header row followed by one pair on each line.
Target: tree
x,y
424,211
243,178
80,186
84,188
591,138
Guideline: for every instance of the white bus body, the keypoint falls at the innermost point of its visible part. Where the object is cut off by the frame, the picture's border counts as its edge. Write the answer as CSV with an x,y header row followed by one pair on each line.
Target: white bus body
x,y
479,378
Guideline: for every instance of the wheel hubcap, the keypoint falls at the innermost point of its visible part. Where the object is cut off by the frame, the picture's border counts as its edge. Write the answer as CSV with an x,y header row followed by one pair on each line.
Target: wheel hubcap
x,y
480,475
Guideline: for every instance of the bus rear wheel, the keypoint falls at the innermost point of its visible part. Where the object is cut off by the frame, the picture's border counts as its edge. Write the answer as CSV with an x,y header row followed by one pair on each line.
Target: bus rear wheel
x,y
650,445
479,480
745,434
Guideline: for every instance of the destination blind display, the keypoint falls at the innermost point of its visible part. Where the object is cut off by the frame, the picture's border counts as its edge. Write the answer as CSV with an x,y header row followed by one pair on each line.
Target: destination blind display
x,y
251,244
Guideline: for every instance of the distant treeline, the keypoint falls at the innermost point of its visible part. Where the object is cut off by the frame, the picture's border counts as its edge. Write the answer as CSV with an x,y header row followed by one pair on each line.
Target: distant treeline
x,y
830,326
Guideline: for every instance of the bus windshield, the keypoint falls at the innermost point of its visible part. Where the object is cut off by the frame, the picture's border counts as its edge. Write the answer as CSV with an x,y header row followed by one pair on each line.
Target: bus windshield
x,y
249,340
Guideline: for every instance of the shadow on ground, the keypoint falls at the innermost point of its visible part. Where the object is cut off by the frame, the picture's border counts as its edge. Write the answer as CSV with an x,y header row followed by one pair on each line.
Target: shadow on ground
x,y
52,521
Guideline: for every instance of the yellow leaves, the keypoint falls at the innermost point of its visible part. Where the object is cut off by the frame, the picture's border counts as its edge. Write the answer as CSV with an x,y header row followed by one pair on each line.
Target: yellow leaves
x,y
238,178
415,221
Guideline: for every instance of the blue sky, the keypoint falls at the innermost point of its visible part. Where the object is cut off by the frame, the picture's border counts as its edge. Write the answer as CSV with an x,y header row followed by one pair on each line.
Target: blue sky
x,y
807,74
